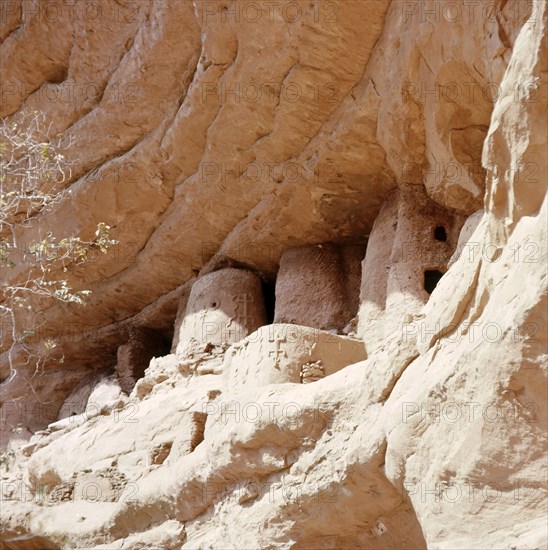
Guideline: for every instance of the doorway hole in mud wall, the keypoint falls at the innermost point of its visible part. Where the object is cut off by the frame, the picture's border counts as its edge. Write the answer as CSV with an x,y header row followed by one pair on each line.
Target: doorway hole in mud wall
x,y
269,294
440,234
431,279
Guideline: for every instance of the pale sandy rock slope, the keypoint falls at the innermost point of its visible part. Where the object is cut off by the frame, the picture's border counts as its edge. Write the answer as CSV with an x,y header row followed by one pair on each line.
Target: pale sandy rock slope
x,y
325,323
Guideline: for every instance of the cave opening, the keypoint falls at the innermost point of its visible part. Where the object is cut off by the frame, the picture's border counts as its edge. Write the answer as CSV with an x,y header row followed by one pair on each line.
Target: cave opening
x,y
440,234
269,293
431,279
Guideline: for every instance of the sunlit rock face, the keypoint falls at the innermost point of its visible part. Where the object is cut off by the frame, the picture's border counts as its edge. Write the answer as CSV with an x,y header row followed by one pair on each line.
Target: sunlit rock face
x,y
334,212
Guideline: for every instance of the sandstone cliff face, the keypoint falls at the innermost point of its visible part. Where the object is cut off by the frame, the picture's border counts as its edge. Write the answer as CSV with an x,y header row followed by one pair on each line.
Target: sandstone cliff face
x,y
234,147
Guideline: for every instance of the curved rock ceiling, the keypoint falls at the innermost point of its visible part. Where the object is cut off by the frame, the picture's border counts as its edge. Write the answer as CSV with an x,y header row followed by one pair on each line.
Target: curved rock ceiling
x,y
233,129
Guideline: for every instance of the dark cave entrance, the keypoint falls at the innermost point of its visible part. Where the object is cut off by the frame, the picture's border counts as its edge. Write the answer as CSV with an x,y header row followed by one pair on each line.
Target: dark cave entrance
x,y
431,279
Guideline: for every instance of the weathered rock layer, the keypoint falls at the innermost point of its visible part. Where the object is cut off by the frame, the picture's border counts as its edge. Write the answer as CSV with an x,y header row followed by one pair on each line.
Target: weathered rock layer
x,y
335,214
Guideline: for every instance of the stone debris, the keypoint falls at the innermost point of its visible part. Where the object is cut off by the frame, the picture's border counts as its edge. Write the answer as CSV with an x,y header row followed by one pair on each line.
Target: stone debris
x,y
312,372
61,492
